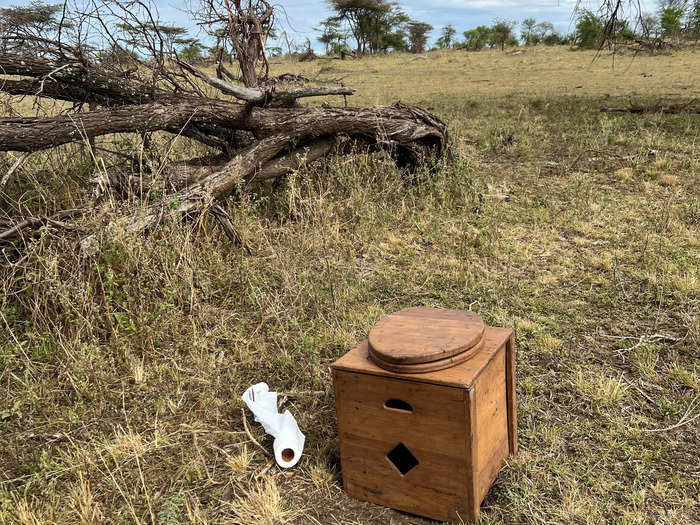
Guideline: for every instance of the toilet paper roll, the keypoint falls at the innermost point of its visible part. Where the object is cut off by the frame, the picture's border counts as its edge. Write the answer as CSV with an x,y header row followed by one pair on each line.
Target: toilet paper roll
x,y
289,441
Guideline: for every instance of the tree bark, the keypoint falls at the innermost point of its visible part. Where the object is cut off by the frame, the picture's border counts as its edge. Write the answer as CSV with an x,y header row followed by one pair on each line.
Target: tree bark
x,y
200,196
107,88
36,133
388,126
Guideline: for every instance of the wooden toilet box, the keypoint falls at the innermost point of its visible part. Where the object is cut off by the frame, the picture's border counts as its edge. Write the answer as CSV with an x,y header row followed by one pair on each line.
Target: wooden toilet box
x,y
428,430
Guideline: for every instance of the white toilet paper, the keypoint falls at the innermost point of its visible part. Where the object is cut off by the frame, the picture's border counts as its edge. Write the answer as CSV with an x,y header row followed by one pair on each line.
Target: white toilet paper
x,y
289,441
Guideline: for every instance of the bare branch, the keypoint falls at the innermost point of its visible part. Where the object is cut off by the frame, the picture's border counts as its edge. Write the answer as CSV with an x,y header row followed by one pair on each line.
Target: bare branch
x,y
199,197
32,223
20,160
259,95
254,95
294,160
36,133
312,92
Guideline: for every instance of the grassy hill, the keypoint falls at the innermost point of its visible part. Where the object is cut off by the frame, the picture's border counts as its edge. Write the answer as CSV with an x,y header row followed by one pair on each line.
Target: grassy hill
x,y
121,372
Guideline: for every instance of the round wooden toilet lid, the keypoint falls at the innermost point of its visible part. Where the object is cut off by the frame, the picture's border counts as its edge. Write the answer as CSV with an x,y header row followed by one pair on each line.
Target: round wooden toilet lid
x,y
424,335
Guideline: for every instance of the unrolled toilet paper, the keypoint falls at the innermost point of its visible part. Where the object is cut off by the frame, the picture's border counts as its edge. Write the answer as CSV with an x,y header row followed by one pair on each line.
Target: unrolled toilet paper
x,y
289,441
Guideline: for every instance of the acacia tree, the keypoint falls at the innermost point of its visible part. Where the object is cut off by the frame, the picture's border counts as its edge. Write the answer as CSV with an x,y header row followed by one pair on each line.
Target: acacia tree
x,y
357,15
446,39
189,48
376,25
528,33
543,30
171,36
19,24
590,29
671,20
502,33
390,29
418,36
330,32
477,38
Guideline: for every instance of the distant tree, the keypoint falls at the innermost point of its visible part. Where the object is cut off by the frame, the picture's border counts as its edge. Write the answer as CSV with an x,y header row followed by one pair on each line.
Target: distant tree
x,y
189,49
37,19
170,35
528,34
446,39
396,40
330,31
671,20
589,30
554,39
376,25
650,27
543,29
340,47
133,34
611,15
418,36
477,38
391,30
357,14
502,33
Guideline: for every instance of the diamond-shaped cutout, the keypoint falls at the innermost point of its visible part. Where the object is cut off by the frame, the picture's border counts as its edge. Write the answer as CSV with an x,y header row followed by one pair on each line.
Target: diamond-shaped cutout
x,y
402,458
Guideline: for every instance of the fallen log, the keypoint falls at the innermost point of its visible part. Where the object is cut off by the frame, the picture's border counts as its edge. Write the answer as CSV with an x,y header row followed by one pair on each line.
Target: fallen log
x,y
37,133
397,125
101,86
179,175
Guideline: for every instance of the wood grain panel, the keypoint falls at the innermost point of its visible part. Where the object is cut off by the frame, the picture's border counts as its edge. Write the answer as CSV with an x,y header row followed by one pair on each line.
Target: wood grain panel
x,y
492,422
437,422
435,488
420,335
461,376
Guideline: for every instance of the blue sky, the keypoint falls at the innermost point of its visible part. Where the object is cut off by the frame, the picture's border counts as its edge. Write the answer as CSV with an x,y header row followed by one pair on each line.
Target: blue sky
x,y
300,16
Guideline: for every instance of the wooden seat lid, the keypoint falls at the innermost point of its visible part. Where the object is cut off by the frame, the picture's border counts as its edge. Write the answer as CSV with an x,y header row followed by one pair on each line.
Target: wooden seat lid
x,y
424,335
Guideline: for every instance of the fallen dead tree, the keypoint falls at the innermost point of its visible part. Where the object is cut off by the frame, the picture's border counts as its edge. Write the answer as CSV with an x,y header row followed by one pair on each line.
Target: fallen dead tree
x,y
258,128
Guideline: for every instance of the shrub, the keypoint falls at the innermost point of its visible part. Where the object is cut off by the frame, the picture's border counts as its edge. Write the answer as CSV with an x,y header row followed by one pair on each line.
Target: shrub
x,y
477,38
589,30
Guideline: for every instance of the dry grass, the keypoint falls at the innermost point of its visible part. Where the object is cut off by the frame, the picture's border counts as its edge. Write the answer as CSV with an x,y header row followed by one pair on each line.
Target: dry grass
x,y
540,71
121,372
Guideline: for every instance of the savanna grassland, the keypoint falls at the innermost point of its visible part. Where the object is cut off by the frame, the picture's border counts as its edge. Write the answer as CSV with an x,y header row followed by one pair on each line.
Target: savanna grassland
x,y
121,371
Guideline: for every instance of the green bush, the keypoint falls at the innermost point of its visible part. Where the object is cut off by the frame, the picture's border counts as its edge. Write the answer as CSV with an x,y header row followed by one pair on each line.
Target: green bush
x,y
589,30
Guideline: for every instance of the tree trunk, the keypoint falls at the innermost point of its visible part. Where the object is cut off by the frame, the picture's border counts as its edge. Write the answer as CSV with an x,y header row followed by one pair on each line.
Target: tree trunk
x,y
36,133
398,125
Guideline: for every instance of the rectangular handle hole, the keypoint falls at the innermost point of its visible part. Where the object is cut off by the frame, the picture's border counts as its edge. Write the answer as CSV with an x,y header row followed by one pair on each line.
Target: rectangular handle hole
x,y
398,404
